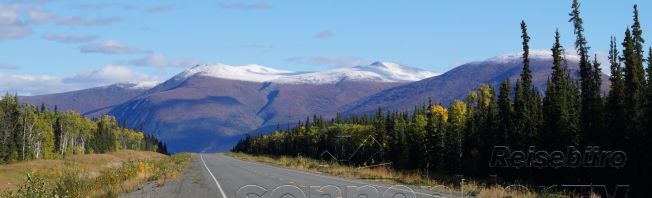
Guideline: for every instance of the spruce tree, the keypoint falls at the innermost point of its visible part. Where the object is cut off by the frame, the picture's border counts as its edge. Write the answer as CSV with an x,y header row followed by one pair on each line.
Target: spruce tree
x,y
526,74
591,115
649,91
560,104
637,36
527,101
615,110
635,84
505,111
634,88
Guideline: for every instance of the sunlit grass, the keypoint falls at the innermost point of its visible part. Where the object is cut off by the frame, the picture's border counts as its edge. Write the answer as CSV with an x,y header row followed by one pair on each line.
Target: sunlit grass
x,y
94,175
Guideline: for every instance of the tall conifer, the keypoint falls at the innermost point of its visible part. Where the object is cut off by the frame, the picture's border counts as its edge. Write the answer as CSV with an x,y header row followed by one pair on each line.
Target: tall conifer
x,y
560,104
591,115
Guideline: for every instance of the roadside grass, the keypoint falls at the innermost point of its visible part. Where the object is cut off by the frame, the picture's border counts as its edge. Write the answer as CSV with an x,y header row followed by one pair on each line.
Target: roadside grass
x,y
385,174
93,175
13,174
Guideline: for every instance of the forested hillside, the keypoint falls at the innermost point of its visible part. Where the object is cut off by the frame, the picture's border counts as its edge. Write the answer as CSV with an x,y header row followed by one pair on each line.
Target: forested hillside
x,y
29,132
460,138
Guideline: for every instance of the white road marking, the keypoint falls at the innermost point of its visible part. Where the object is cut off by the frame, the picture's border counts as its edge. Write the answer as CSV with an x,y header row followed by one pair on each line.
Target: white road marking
x,y
213,176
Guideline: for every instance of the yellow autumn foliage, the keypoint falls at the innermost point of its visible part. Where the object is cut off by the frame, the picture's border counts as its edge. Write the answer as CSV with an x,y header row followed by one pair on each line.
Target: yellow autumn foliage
x,y
440,111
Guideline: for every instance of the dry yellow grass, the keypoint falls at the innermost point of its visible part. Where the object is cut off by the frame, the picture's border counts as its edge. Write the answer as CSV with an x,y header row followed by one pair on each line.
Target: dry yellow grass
x,y
14,174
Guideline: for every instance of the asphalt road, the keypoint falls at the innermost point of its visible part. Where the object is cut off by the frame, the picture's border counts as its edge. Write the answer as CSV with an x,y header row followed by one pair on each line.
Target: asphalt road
x,y
217,175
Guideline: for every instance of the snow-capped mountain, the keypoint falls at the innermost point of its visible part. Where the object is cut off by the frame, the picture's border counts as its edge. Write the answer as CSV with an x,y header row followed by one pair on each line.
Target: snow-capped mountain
x,y
534,55
210,107
251,72
143,85
456,83
377,72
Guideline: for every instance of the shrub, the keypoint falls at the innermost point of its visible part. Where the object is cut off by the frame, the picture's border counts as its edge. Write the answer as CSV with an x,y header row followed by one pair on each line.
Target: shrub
x,y
34,187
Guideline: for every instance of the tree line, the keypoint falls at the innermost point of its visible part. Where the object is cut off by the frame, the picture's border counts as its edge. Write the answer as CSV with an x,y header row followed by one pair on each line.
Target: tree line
x,y
459,138
28,132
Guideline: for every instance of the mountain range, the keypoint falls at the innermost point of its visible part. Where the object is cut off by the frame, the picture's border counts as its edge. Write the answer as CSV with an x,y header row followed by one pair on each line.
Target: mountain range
x,y
209,107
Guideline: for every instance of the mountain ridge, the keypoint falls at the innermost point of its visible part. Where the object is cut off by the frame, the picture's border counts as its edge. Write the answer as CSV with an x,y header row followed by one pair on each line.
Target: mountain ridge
x,y
377,71
201,110
456,83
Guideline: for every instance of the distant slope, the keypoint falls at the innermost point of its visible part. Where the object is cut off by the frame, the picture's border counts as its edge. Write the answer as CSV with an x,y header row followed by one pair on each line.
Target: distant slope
x,y
91,102
203,113
456,83
209,107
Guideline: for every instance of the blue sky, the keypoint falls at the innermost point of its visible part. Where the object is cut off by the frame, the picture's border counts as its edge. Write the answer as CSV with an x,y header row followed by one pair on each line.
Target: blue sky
x,y
53,46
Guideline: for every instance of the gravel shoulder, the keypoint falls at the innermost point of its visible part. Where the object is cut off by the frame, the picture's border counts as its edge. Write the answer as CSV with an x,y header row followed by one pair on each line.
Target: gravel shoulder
x,y
191,182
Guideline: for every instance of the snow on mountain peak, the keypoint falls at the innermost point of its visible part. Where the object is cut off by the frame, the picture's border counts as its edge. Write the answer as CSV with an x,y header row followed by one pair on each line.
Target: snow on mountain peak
x,y
377,71
534,54
137,85
385,64
144,85
251,72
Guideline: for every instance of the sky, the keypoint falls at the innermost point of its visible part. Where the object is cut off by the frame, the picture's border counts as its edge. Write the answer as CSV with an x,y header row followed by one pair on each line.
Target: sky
x,y
52,46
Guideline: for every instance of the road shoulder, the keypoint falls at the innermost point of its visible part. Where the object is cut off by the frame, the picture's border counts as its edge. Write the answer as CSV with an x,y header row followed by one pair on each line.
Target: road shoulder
x,y
191,182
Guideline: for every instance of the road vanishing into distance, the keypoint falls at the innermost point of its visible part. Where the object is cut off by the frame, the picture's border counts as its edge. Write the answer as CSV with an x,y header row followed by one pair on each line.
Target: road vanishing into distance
x,y
221,176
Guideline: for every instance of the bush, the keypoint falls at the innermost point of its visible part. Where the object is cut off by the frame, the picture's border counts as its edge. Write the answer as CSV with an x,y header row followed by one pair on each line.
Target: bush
x,y
73,184
34,187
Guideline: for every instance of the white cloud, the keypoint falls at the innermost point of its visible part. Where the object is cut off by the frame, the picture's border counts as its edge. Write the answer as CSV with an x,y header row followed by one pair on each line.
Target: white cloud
x,y
68,38
85,21
17,18
108,47
45,84
33,84
324,34
123,6
159,60
102,6
38,15
107,75
603,59
161,8
11,25
8,66
245,6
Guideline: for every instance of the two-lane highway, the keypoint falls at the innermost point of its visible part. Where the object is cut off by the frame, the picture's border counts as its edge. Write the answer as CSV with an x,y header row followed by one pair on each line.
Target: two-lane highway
x,y
221,176
230,175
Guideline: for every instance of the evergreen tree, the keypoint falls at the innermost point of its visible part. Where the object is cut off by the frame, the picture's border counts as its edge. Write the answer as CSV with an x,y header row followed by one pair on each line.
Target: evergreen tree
x,y
649,92
10,126
43,109
560,104
29,132
637,37
526,74
615,109
505,112
635,87
527,100
591,114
